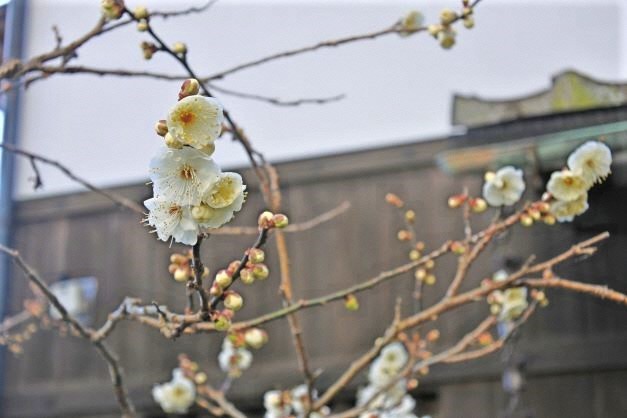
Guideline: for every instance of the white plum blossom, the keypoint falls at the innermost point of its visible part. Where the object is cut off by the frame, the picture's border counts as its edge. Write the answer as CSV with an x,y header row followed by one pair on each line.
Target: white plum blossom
x,y
514,303
505,187
566,185
412,21
177,395
234,360
196,121
275,404
591,161
389,363
171,221
182,176
566,211
225,197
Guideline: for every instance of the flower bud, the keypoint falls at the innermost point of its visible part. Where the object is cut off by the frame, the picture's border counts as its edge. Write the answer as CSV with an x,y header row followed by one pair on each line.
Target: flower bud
x,y
233,301
255,338
112,9
171,142
535,214
414,255
181,275
233,266
543,207
447,16
190,87
456,201
149,49
200,378
265,220
549,219
140,12
179,48
394,200
215,290
526,220
260,271
433,335
430,279
403,235
420,274
412,22
469,22
247,276
280,220
458,248
256,255
434,30
420,246
161,127
447,38
351,303
223,279
172,268
142,25
478,205
410,216
429,264
222,322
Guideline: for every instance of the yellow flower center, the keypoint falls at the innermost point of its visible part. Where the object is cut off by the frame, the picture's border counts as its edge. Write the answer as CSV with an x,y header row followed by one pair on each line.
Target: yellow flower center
x,y
187,117
174,210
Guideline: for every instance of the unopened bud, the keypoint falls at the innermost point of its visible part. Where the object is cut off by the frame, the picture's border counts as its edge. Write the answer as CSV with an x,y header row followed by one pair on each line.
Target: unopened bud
x,y
394,200
430,279
351,303
179,48
223,279
247,276
161,127
420,274
215,290
447,38
222,322
434,30
205,272
200,378
458,248
410,216
112,9
549,219
181,275
447,16
478,205
469,22
433,335
456,201
233,266
280,220
172,142
535,214
148,49
260,271
255,338
233,301
140,12
403,235
172,268
414,255
190,87
256,255
142,25
543,207
526,220
429,264
265,220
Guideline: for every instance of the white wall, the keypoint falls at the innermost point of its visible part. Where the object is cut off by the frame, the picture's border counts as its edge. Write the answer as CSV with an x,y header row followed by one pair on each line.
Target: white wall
x,y
397,89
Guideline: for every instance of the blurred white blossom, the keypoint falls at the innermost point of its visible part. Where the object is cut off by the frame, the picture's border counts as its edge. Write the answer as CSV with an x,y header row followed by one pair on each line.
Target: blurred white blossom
x,y
592,161
177,395
505,187
234,360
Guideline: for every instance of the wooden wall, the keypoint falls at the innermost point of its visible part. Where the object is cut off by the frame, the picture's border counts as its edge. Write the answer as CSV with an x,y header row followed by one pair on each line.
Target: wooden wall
x,y
574,349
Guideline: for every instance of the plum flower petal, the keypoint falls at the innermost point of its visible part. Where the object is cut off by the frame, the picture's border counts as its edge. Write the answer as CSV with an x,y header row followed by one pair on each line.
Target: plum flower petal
x,y
196,121
592,161
566,211
171,221
566,185
177,395
505,187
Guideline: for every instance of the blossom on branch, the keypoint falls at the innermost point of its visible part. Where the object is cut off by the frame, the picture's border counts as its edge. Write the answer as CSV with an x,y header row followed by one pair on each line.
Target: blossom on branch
x,y
505,187
592,161
177,395
171,221
234,360
566,185
196,121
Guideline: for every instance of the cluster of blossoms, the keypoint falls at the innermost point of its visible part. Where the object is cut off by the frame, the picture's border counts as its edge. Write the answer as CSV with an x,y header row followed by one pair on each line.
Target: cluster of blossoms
x,y
511,303
443,31
290,403
567,189
393,402
190,190
177,395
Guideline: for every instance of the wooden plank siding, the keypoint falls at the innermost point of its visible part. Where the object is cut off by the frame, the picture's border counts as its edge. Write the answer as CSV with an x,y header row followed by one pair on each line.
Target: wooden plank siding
x,y
574,349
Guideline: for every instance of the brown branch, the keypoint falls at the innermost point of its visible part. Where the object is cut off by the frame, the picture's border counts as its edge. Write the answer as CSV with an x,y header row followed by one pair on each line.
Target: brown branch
x,y
13,321
115,371
599,291
114,197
